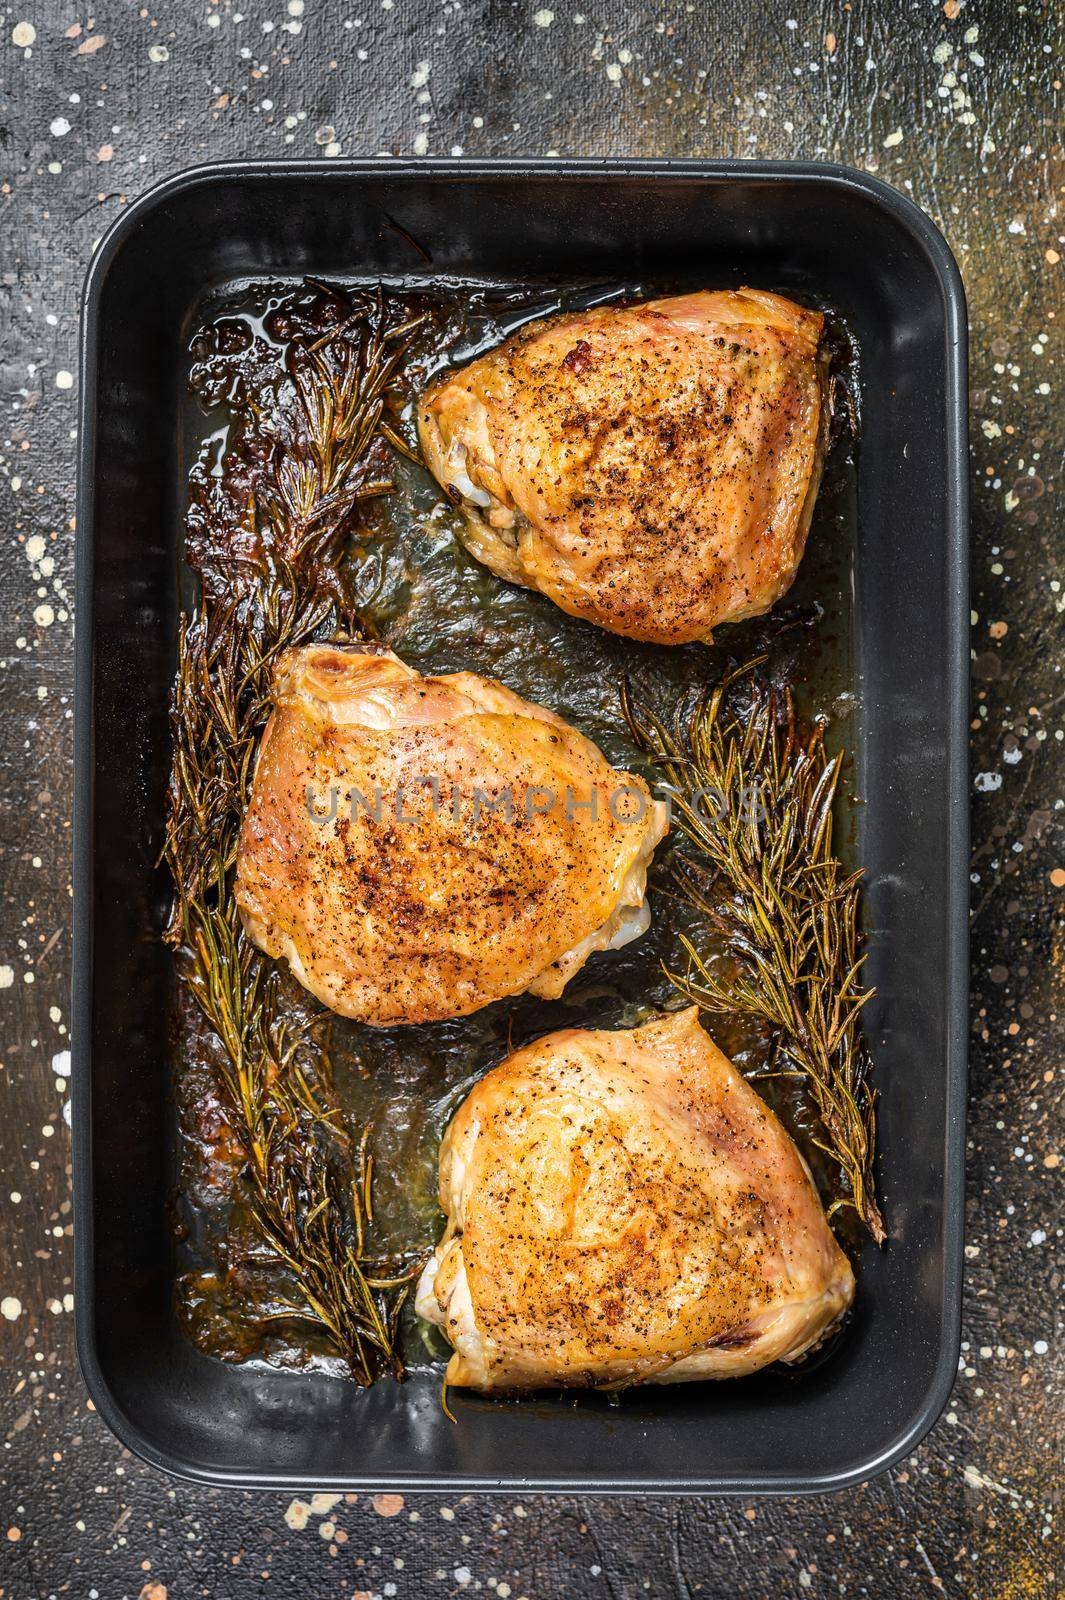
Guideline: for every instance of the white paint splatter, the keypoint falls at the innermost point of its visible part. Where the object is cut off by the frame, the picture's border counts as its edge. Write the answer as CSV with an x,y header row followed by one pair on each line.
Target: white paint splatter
x,y
297,1514
322,1502
7,977
11,1308
59,128
975,1479
23,35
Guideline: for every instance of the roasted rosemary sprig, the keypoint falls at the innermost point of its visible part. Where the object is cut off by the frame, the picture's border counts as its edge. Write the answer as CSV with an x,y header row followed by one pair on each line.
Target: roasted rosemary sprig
x,y
754,800
311,1221
268,583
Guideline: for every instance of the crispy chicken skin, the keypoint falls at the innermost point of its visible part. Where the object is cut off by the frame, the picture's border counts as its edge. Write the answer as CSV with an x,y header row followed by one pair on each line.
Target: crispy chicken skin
x,y
417,890
623,1208
651,468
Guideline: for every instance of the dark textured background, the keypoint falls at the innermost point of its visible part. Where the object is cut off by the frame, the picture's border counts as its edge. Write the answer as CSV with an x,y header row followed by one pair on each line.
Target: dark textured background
x,y
959,105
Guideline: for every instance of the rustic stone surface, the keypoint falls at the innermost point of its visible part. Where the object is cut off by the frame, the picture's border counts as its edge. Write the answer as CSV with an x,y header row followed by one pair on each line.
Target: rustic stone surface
x,y
958,104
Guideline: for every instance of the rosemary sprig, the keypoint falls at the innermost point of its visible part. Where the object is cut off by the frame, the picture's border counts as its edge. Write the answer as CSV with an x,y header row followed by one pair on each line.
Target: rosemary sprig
x,y
755,800
309,1191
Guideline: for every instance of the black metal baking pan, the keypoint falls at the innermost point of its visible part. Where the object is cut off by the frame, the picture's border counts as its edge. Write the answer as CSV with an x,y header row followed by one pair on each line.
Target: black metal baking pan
x,y
853,243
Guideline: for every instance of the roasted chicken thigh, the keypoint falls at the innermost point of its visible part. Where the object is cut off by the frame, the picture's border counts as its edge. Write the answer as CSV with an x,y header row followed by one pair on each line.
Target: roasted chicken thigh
x,y
651,468
623,1208
418,847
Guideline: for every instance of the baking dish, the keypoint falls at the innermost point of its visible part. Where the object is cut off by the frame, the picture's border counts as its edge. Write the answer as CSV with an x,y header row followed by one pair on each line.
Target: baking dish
x,y
866,251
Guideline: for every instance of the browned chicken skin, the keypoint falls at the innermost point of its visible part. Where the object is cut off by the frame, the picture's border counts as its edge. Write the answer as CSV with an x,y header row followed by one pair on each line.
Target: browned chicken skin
x,y
454,857
651,468
623,1208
